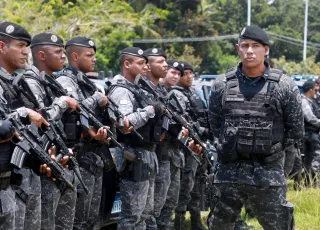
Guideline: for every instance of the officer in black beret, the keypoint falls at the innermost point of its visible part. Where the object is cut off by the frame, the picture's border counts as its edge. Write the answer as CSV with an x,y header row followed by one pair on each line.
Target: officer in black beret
x,y
255,114
14,40
48,57
81,57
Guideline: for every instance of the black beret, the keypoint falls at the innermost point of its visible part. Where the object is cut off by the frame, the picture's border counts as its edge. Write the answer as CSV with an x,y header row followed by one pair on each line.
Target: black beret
x,y
254,33
155,52
81,41
46,39
175,65
186,65
15,31
310,84
134,51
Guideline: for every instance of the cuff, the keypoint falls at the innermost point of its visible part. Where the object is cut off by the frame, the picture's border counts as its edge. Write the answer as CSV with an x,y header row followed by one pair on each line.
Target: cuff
x,y
150,111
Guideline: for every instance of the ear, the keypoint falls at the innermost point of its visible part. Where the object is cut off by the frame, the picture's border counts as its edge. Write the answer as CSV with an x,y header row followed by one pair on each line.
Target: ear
x,y
74,56
266,48
237,47
41,55
2,45
126,64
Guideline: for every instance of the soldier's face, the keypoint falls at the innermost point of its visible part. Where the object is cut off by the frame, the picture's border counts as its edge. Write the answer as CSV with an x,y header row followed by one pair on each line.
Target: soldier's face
x,y
55,58
187,78
251,53
87,60
137,66
172,77
158,66
14,54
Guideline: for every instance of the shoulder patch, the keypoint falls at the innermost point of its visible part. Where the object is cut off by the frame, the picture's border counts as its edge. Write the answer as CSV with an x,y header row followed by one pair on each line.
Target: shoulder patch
x,y
69,89
298,97
123,102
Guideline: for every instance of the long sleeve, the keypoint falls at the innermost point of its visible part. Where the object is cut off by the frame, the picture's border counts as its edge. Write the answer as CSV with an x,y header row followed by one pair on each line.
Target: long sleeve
x,y
125,101
308,114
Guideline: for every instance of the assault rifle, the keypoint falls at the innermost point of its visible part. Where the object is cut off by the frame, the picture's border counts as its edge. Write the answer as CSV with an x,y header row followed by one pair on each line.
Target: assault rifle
x,y
30,143
172,109
53,133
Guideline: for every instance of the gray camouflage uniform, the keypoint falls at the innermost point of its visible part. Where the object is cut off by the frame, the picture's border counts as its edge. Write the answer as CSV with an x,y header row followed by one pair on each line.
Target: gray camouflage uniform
x,y
8,206
28,193
137,197
239,177
312,143
87,205
52,197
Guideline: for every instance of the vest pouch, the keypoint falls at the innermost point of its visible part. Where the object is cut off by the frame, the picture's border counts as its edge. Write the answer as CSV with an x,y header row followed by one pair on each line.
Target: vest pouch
x,y
227,151
157,131
245,140
263,138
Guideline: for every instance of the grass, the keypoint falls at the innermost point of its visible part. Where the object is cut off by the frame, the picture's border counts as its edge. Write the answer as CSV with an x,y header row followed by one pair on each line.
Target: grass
x,y
306,210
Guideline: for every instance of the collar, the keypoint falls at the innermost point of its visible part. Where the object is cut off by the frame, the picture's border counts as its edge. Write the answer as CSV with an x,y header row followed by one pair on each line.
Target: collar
x,y
5,74
249,80
35,70
72,69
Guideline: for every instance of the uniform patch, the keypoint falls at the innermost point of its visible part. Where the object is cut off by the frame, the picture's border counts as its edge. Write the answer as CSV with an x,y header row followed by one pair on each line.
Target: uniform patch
x,y
69,89
123,102
140,52
175,64
91,43
298,98
154,50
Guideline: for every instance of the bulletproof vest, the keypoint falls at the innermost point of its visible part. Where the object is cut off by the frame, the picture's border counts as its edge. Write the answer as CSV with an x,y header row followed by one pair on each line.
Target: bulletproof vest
x,y
150,132
48,99
315,109
251,123
195,108
14,100
6,148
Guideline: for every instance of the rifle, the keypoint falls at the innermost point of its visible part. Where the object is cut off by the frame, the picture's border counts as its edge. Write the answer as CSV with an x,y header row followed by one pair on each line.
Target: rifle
x,y
31,143
172,109
53,133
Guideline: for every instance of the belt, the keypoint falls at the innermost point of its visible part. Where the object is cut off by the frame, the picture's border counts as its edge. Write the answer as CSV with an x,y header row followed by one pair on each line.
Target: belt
x,y
261,158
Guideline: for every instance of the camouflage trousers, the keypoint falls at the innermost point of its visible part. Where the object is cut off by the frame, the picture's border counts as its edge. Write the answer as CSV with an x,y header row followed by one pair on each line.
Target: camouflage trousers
x,y
312,152
57,207
7,208
137,198
87,206
269,204
290,155
28,200
171,201
187,183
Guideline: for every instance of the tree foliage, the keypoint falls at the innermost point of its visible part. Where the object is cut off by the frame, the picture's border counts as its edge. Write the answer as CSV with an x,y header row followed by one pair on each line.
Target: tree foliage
x,y
112,24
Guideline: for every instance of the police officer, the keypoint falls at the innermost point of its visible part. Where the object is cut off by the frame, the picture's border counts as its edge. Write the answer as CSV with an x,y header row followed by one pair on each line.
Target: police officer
x,y
255,113
189,196
138,174
48,56
14,40
312,127
81,57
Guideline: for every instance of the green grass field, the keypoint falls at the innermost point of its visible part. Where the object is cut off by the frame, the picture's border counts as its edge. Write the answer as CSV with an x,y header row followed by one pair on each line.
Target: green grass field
x,y
306,211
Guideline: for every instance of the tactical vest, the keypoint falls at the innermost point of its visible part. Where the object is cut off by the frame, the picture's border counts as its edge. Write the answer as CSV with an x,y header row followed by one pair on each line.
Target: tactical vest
x,y
195,107
6,148
14,100
150,132
251,126
47,99
307,126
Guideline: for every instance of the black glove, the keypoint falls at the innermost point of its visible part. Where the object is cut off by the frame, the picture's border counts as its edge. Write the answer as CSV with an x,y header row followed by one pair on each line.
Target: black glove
x,y
159,109
6,130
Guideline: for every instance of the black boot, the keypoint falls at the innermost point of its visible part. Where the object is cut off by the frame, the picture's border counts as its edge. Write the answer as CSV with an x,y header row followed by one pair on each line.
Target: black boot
x,y
196,223
180,221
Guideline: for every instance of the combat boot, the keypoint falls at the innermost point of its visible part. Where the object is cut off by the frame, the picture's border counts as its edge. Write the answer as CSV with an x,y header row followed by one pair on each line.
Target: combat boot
x,y
180,221
196,223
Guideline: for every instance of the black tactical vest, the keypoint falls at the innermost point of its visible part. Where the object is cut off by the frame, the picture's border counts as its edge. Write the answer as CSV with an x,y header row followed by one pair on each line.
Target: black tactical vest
x,y
14,100
6,148
150,132
251,126
315,109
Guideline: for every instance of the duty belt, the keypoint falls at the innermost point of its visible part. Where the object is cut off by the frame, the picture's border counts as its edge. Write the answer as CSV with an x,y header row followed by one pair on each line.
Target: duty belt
x,y
5,180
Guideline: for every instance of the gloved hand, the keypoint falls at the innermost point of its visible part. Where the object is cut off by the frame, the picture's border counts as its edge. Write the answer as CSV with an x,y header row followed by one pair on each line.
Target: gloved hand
x,y
159,109
6,130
